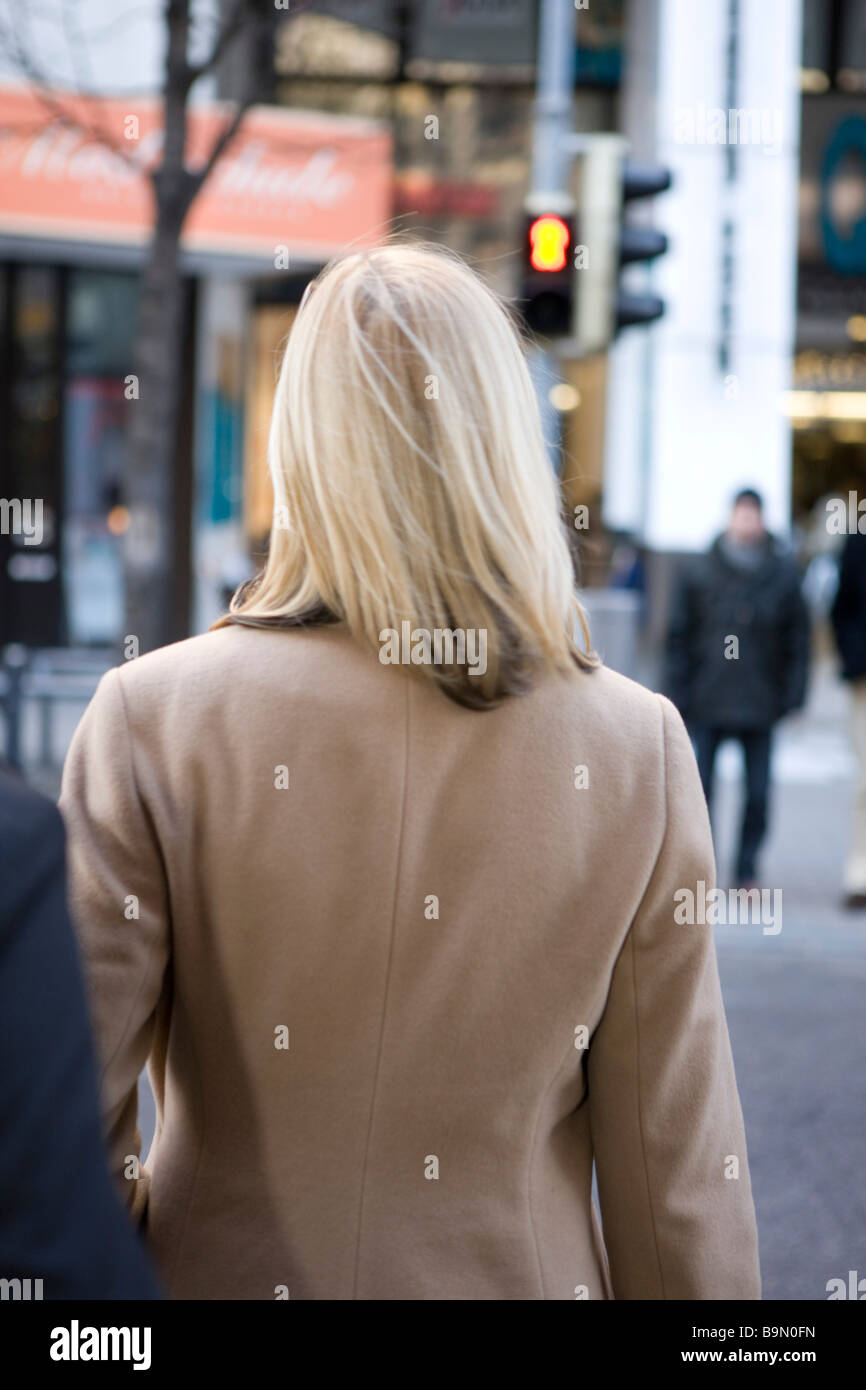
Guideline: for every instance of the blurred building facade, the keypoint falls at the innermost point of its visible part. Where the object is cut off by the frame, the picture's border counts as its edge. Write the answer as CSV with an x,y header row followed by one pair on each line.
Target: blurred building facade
x,y
418,118
756,375
457,84
292,190
828,398
696,403
449,89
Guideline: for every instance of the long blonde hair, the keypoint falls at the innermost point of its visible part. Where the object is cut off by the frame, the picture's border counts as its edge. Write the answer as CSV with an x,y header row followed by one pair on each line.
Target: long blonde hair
x,y
410,475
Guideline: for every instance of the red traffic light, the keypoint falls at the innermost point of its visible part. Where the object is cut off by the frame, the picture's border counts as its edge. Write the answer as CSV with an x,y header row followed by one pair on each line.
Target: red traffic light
x,y
548,238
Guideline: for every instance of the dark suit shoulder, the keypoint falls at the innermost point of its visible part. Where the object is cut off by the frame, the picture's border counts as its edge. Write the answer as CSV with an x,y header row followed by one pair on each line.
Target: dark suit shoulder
x,y
31,841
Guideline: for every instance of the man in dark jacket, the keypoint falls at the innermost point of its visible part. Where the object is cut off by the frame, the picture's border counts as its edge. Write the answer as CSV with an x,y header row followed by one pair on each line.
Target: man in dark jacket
x,y
848,616
63,1231
738,652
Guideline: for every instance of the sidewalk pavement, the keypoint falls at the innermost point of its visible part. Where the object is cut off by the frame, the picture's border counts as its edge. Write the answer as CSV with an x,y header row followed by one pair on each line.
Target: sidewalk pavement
x,y
795,1005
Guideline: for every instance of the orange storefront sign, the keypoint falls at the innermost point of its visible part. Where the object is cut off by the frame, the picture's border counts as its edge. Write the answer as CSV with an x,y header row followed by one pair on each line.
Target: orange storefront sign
x,y
309,182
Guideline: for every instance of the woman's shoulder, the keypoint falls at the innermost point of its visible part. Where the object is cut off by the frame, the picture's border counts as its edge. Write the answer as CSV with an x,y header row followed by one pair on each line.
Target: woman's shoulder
x,y
163,663
235,664
222,651
180,666
318,667
621,708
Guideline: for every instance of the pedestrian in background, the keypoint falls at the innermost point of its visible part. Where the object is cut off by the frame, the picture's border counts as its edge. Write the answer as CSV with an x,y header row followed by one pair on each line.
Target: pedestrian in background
x,y
848,616
738,657
404,958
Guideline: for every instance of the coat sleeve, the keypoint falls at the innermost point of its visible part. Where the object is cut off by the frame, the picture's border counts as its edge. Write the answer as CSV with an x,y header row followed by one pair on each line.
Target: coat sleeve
x,y
119,902
848,613
794,637
667,1128
679,647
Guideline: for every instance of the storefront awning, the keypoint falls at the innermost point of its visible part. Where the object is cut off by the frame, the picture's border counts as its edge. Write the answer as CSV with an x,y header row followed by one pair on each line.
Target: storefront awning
x,y
293,182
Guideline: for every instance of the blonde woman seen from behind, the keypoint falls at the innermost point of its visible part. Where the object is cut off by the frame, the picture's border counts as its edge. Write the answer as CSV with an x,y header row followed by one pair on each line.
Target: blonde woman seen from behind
x,y
403,958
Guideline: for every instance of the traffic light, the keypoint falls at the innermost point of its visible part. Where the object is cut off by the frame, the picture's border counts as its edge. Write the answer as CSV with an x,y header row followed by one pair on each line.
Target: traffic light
x,y
638,242
609,184
547,289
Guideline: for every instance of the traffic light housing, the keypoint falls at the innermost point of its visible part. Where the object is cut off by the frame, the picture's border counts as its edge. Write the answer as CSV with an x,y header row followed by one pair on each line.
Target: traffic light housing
x,y
609,184
547,288
638,242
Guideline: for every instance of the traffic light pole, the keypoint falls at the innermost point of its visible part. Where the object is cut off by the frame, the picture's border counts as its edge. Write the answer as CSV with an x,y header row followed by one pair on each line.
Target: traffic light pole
x,y
551,123
552,112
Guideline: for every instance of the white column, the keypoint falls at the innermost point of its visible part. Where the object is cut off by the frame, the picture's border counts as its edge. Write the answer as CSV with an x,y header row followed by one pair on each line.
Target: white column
x,y
694,404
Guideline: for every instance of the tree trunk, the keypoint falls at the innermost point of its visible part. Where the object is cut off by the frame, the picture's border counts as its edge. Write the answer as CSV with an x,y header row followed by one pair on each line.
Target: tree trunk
x,y
153,426
153,429
152,440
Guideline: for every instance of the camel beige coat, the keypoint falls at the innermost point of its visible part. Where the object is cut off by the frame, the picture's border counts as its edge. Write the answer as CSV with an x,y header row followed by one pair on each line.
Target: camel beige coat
x,y
360,935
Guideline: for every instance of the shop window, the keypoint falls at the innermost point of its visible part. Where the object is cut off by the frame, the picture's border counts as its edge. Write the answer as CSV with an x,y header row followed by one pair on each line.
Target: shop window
x,y
101,311
30,596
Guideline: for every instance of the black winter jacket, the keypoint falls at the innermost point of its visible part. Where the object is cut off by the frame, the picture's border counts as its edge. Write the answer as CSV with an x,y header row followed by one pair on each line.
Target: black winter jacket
x,y
848,613
764,609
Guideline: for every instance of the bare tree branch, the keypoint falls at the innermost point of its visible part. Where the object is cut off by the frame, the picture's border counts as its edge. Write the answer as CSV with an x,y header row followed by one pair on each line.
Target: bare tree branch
x,y
231,28
20,54
180,77
250,16
223,141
